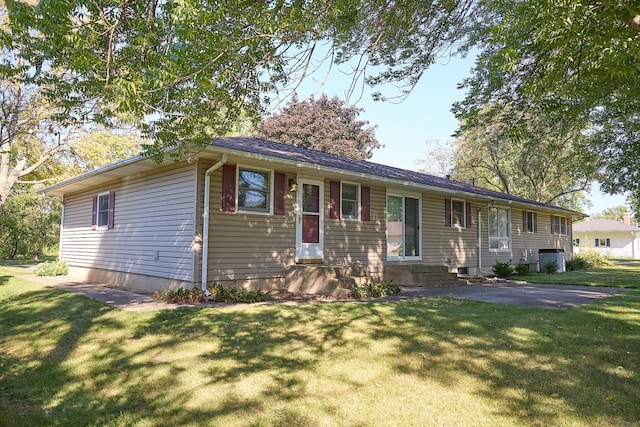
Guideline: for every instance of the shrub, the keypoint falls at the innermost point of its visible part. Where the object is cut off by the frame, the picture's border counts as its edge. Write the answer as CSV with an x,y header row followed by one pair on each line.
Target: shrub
x,y
180,296
591,258
503,269
577,264
522,269
377,289
551,267
219,293
52,268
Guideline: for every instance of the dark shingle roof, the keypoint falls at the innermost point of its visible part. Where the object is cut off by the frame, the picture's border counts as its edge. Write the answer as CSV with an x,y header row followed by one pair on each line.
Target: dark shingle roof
x,y
311,157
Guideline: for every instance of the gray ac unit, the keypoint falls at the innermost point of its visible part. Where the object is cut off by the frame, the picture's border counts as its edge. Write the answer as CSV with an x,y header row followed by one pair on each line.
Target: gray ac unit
x,y
547,256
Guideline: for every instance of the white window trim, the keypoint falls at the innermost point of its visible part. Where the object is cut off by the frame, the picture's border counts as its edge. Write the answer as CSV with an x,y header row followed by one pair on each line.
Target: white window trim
x,y
557,230
464,213
105,225
358,204
405,257
271,189
491,239
533,222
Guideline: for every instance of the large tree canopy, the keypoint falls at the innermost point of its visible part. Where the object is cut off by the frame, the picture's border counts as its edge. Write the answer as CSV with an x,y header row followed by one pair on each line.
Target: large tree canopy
x,y
575,63
539,161
186,70
322,124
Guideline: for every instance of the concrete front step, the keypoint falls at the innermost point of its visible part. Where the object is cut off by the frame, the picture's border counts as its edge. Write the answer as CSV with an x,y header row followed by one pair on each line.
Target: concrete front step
x,y
420,275
331,280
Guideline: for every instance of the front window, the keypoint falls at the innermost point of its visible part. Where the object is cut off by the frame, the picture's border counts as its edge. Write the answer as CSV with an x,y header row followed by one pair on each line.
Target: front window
x,y
458,213
102,214
254,191
499,227
350,201
559,224
603,243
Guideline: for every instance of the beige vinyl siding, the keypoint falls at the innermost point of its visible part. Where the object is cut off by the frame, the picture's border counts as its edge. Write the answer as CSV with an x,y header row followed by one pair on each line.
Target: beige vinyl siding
x,y
442,245
154,227
354,241
249,246
521,240
543,239
458,247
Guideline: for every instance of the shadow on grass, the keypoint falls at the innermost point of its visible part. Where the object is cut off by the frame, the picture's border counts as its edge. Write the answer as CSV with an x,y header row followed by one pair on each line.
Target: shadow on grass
x,y
68,360
535,363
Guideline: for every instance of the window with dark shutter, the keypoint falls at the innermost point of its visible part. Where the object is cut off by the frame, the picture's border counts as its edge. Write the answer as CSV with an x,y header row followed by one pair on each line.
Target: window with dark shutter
x,y
334,200
365,201
447,212
111,210
278,193
229,188
94,213
103,210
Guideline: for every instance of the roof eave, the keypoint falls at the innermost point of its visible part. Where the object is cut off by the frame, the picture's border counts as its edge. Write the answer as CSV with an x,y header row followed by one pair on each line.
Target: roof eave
x,y
410,185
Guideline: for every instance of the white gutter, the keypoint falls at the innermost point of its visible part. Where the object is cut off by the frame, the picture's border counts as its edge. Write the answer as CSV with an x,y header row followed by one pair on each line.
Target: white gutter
x,y
205,221
394,181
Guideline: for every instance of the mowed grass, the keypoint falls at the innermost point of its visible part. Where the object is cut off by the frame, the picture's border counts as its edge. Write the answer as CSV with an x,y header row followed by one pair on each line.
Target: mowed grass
x,y
619,274
68,360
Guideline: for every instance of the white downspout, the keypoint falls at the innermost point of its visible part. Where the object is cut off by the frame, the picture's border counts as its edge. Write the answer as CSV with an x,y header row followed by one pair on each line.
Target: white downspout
x,y
479,241
205,222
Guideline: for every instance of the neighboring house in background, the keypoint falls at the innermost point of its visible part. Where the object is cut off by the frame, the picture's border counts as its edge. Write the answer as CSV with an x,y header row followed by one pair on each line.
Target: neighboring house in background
x,y
248,212
611,238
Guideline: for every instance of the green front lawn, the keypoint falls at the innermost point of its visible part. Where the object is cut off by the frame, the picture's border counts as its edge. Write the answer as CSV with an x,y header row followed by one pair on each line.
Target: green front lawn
x,y
625,274
67,360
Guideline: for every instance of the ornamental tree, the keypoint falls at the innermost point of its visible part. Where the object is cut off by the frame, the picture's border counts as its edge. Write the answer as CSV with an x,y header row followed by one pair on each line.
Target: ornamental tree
x,y
322,124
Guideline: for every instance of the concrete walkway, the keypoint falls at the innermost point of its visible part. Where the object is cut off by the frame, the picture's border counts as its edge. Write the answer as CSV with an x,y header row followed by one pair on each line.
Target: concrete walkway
x,y
531,295
118,298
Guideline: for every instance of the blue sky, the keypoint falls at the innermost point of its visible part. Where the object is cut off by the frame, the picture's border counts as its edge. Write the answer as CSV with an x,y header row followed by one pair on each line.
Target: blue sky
x,y
411,128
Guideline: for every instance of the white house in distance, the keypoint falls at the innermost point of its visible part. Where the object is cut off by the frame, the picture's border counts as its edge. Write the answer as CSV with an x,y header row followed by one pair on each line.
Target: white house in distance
x,y
611,238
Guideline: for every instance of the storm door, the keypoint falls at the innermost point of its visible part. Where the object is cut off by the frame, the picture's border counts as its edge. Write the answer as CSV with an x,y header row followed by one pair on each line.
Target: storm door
x,y
310,221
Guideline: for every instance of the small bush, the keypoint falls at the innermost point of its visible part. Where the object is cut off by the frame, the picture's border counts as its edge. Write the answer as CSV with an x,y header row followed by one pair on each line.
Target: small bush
x,y
551,267
586,259
180,296
377,289
52,268
522,269
577,264
219,293
503,269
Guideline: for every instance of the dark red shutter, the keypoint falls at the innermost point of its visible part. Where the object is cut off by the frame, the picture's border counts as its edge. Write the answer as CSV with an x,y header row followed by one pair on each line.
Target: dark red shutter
x,y
553,225
468,212
94,213
111,211
278,193
535,222
524,222
229,188
365,203
447,212
334,200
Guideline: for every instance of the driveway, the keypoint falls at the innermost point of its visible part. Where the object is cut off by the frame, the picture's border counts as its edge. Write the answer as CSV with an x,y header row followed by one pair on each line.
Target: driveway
x,y
530,295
